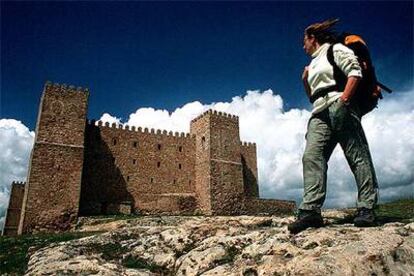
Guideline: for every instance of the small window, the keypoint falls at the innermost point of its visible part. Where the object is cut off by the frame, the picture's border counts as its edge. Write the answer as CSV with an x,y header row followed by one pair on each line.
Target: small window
x,y
203,142
158,164
189,181
159,146
152,180
127,178
135,144
174,181
114,141
179,166
134,161
180,149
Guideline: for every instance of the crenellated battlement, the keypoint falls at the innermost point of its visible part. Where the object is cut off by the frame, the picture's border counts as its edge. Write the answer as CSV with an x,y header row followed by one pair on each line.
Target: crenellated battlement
x,y
89,167
21,183
215,113
143,130
247,144
57,87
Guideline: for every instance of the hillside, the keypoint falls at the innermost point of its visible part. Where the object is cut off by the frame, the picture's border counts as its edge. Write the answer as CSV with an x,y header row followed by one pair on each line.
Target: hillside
x,y
243,245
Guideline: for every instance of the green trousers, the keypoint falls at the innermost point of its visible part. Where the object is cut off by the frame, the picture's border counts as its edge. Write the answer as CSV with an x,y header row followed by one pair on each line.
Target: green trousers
x,y
337,124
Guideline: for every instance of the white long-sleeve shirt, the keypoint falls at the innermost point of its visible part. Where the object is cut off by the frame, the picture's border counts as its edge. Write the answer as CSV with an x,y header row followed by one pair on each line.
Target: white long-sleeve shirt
x,y
320,74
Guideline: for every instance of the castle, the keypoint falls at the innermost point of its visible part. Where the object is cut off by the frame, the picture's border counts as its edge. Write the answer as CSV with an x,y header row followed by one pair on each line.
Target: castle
x,y
80,167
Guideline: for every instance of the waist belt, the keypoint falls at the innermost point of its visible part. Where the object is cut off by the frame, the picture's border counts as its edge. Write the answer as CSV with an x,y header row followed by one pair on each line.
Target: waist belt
x,y
323,92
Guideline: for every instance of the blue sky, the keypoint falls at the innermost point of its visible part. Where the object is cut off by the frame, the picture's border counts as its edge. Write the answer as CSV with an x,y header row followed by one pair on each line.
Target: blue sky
x,y
164,55
182,58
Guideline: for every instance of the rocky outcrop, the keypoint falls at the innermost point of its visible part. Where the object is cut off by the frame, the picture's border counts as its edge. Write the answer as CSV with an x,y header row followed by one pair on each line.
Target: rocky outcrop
x,y
243,245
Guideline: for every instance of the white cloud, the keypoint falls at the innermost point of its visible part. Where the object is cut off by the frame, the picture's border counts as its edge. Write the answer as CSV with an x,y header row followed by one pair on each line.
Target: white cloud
x,y
15,146
279,135
107,118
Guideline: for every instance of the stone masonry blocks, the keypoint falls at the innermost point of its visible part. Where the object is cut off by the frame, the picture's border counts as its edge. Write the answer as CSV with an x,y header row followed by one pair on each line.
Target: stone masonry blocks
x,y
81,167
14,209
52,194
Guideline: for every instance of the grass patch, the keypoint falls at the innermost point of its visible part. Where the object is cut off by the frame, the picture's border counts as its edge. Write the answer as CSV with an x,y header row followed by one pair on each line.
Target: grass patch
x,y
401,210
13,250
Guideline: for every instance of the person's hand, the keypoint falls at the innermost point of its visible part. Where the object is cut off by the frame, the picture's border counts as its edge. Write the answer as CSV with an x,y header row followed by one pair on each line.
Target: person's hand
x,y
377,92
305,73
344,100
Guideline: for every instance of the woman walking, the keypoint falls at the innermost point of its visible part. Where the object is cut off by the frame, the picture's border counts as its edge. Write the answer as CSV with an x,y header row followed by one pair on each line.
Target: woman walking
x,y
333,121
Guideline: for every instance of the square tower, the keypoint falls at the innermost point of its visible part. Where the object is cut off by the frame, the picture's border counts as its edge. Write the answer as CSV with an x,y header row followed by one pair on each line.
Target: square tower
x,y
219,171
52,192
13,212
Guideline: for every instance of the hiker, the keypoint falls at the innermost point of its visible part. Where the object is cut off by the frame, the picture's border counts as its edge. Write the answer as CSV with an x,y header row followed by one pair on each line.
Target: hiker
x,y
333,121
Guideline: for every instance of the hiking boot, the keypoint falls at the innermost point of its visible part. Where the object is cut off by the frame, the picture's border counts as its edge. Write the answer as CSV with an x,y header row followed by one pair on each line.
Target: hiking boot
x,y
306,218
364,218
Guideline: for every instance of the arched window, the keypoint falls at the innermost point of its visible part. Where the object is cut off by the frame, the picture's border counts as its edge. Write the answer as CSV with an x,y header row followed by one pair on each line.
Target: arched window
x,y
135,144
158,164
114,141
159,146
179,166
134,161
180,148
152,180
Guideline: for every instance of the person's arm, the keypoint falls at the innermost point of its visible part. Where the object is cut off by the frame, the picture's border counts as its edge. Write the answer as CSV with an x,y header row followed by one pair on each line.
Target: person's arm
x,y
305,81
348,64
350,88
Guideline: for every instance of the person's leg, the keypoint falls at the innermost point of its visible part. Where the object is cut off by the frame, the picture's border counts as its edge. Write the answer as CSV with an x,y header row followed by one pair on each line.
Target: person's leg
x,y
355,146
319,147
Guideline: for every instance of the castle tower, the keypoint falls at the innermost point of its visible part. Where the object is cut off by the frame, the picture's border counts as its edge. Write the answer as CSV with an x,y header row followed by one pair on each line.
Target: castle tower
x,y
13,212
52,193
219,172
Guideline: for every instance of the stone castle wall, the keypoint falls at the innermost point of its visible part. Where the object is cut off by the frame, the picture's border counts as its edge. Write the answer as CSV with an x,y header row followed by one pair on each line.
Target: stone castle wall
x,y
152,170
201,129
14,210
262,206
249,163
80,168
136,165
225,176
51,200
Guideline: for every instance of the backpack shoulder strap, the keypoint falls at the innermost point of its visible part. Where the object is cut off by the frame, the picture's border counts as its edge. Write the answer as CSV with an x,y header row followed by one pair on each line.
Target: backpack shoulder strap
x,y
339,76
330,56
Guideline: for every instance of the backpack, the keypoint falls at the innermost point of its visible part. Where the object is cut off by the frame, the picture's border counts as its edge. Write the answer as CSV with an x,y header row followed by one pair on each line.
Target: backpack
x,y
368,91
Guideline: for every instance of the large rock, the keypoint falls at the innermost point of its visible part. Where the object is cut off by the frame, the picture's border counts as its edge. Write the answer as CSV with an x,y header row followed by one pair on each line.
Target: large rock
x,y
241,245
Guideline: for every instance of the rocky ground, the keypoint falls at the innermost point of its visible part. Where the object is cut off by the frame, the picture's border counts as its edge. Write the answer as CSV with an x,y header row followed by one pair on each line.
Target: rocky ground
x,y
242,245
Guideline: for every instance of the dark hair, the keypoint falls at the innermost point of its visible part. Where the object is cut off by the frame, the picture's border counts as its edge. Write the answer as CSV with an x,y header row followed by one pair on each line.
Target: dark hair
x,y
323,31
